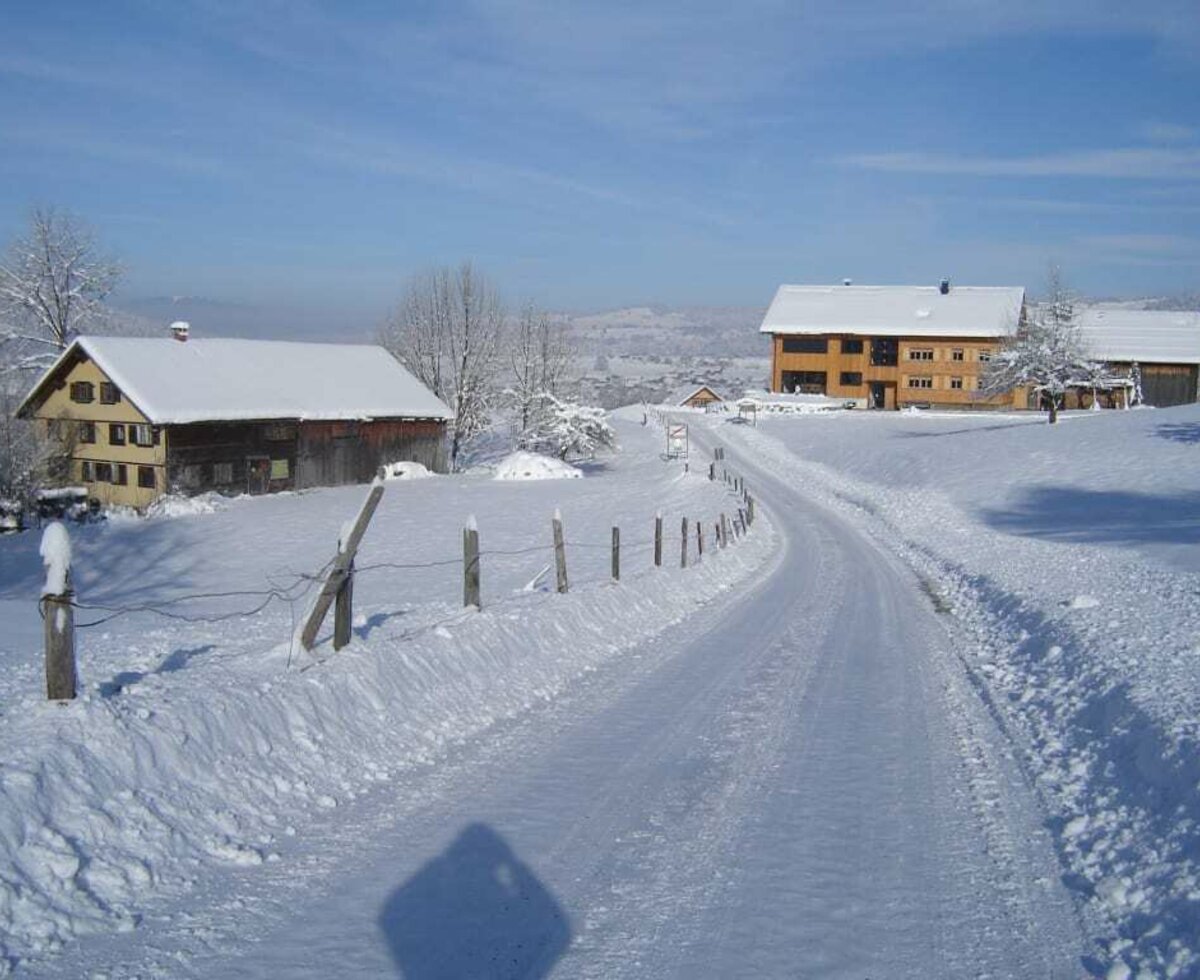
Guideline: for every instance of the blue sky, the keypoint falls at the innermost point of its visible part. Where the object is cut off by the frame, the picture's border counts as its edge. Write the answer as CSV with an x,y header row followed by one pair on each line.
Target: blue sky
x,y
303,156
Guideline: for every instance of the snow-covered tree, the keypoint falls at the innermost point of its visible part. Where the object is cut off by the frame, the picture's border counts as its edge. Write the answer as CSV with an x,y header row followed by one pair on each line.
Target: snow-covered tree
x,y
540,356
1135,377
53,281
566,429
448,331
1046,354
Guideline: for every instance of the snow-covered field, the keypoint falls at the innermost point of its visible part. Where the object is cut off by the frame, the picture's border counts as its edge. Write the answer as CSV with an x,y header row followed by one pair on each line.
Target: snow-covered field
x,y
1069,557
201,742
1056,621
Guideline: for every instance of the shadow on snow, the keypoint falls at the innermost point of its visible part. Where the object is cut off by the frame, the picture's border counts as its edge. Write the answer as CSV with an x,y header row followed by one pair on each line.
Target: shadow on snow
x,y
474,911
1100,516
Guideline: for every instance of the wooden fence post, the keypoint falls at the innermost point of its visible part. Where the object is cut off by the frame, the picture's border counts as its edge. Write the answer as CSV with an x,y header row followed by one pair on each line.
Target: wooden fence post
x,y
683,545
658,540
699,541
471,565
712,471
750,509
724,530
341,566
616,554
560,552
59,613
343,609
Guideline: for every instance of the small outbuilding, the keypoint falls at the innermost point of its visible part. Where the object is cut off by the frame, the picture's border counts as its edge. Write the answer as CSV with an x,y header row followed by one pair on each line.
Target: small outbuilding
x,y
1164,344
692,396
139,417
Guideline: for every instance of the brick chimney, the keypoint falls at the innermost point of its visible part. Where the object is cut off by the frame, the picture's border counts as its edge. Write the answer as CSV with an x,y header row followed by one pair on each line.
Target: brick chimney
x,y
180,330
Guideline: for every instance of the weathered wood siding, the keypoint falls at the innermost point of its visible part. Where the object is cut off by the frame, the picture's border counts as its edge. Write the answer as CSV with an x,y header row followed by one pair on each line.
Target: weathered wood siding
x,y
333,453
1164,385
217,456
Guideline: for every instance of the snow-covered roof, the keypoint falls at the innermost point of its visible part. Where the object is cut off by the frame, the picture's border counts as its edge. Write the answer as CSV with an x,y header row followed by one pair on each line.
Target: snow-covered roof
x,y
1148,336
220,380
896,311
685,392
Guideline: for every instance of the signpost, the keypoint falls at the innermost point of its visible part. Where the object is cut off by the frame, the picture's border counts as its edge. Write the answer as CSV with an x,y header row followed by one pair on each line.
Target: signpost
x,y
677,441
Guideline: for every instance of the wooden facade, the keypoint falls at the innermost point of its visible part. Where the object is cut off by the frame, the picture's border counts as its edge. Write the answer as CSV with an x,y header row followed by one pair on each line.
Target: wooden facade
x,y
111,448
700,398
887,372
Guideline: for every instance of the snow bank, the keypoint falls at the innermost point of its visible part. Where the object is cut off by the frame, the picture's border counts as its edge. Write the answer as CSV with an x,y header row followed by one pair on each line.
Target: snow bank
x,y
1068,561
178,505
531,466
406,469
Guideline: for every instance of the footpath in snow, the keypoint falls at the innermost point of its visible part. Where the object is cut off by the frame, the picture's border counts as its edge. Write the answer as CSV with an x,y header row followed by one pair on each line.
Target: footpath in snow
x,y
1068,558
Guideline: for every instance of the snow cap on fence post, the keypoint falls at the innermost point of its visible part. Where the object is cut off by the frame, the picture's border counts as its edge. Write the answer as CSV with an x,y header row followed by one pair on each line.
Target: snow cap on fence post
x,y
55,550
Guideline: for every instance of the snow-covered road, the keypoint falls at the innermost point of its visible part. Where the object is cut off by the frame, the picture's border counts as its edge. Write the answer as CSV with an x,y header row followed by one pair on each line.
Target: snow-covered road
x,y
798,782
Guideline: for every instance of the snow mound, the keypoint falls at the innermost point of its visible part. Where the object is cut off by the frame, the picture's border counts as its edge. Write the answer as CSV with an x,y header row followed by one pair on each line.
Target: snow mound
x,y
531,466
406,469
177,505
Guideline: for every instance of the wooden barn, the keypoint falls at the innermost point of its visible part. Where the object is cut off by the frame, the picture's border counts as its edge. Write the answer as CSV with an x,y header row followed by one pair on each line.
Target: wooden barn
x,y
695,396
1164,344
139,417
891,346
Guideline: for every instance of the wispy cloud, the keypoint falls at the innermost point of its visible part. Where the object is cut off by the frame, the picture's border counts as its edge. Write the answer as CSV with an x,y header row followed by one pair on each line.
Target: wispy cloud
x,y
1144,244
1138,163
1166,132
120,151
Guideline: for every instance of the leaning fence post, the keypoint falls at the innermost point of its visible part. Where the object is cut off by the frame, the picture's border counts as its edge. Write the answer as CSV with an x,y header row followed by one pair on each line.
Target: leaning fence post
x,y
59,614
560,552
683,545
616,554
750,509
658,540
471,564
339,572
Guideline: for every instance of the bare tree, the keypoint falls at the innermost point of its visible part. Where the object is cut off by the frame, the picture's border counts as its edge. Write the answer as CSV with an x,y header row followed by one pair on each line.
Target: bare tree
x,y
540,356
448,331
1046,354
53,281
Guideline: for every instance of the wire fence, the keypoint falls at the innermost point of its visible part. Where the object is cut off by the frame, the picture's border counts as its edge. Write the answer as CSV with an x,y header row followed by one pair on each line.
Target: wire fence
x,y
334,579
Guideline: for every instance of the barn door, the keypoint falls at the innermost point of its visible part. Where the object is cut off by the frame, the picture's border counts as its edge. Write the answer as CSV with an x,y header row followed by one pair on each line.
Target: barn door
x,y
258,474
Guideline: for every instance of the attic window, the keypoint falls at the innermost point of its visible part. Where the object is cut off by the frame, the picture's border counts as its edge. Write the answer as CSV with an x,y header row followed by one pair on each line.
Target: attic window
x,y
82,391
110,394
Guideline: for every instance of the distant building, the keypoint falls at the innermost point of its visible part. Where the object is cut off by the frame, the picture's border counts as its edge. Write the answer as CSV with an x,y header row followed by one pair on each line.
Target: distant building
x,y
1164,344
139,417
691,396
892,346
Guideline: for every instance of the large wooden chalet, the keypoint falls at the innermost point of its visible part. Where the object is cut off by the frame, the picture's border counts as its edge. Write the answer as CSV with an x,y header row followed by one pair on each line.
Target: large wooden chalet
x,y
891,346
139,417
